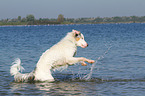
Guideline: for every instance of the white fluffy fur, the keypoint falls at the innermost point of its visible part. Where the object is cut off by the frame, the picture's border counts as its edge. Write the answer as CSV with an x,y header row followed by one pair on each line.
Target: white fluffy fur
x,y
61,54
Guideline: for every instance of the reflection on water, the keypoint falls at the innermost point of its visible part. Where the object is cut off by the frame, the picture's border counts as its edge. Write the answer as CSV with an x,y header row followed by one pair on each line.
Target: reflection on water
x,y
94,86
60,88
45,88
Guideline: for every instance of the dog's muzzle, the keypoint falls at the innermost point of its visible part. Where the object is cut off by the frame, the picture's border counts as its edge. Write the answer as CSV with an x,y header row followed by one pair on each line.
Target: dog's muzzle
x,y
84,45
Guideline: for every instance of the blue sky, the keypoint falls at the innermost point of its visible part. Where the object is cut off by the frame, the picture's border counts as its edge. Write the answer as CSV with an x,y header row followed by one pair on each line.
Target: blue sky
x,y
71,8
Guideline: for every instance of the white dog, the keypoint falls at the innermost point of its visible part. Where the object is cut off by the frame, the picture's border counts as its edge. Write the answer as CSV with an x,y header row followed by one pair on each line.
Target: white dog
x,y
60,54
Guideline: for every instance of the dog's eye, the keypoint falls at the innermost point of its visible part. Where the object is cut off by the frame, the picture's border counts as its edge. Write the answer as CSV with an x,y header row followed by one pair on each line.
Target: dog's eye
x,y
76,35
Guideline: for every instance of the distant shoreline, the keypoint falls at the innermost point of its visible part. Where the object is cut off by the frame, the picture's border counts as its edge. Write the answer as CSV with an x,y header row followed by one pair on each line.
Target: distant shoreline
x,y
65,24
30,20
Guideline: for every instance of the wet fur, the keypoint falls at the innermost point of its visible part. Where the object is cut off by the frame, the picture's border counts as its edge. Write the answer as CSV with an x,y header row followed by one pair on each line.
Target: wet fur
x,y
61,54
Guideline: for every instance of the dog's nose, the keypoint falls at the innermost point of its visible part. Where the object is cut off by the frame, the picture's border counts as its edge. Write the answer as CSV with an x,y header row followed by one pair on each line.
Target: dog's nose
x,y
87,45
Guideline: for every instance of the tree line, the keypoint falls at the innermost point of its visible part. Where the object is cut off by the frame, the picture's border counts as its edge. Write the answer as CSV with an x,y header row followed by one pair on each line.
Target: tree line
x,y
31,20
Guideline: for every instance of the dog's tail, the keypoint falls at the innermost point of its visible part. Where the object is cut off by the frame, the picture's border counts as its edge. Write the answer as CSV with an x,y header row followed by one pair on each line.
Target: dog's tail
x,y
19,77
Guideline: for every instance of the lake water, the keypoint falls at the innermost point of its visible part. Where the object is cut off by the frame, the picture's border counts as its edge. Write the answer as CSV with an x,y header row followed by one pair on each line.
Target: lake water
x,y
120,70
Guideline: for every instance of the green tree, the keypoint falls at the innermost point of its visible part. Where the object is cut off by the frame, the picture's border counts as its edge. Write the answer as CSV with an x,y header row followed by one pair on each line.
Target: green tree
x,y
19,18
30,19
98,20
134,18
23,20
142,19
60,18
117,19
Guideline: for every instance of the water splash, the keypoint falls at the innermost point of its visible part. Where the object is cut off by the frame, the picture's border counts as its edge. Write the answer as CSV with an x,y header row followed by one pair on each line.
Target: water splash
x,y
89,75
61,68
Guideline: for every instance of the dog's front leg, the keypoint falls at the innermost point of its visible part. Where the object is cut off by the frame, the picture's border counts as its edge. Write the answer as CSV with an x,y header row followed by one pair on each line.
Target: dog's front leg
x,y
74,60
87,60
83,63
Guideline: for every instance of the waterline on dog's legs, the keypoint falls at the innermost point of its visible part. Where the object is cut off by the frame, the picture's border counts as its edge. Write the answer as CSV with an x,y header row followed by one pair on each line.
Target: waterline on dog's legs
x,y
79,72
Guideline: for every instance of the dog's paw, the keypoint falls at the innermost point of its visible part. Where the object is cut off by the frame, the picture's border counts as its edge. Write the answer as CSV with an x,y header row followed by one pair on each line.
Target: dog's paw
x,y
90,61
83,64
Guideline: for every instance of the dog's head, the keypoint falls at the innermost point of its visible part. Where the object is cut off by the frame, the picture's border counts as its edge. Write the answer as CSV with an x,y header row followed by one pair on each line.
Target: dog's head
x,y
79,38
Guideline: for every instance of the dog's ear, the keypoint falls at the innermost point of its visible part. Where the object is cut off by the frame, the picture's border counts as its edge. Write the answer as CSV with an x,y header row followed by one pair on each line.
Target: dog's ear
x,y
76,32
